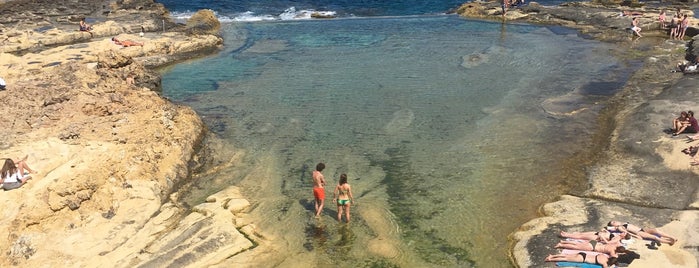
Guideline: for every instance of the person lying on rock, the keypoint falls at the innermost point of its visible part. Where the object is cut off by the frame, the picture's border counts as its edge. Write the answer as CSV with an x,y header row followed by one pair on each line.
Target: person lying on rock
x,y
611,249
583,257
126,43
642,232
603,236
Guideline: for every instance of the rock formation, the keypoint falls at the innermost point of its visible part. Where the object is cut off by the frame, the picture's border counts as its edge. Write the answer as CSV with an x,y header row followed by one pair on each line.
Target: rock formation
x,y
111,154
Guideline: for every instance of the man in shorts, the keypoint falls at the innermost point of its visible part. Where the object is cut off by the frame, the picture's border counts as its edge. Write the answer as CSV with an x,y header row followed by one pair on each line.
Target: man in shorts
x,y
318,190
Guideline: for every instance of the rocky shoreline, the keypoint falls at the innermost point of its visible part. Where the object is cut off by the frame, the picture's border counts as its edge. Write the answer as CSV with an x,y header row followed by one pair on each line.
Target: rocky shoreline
x,y
641,175
111,154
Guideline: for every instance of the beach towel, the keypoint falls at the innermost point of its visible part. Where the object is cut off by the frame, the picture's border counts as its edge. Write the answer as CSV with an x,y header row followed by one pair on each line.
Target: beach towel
x,y
577,264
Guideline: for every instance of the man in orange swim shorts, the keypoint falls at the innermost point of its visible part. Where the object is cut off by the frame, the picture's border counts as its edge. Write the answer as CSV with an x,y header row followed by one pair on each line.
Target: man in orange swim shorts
x,y
318,190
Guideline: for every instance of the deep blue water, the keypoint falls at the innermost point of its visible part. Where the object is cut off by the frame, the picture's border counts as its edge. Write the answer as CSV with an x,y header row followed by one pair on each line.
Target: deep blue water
x,y
251,9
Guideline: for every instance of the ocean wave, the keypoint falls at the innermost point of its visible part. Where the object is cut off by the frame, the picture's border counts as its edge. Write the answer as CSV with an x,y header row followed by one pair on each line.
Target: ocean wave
x,y
249,16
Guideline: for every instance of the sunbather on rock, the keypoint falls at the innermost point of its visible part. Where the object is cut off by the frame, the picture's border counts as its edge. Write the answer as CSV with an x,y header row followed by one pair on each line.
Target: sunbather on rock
x,y
611,249
126,43
583,257
603,236
642,232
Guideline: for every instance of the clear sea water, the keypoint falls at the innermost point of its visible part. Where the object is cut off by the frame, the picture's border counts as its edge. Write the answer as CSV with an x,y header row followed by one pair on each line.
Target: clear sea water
x,y
453,132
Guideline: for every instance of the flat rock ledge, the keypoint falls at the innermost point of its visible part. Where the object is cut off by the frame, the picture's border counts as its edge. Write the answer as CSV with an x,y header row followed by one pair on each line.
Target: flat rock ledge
x,y
641,175
111,155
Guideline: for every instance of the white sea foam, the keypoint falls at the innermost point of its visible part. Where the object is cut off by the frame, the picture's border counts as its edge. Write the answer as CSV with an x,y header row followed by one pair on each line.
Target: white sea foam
x,y
249,16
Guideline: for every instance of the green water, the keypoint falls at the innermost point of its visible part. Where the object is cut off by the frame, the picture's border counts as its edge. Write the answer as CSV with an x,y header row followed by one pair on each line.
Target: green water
x,y
452,132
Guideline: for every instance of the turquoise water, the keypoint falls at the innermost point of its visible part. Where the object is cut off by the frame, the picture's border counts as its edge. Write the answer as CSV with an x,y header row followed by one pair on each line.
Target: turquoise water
x,y
452,132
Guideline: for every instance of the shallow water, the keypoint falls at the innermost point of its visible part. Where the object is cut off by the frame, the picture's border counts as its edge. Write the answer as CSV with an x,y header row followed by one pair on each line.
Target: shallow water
x,y
452,132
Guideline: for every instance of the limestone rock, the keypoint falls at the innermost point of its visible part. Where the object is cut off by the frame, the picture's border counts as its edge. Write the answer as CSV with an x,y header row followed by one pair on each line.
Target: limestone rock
x,y
203,22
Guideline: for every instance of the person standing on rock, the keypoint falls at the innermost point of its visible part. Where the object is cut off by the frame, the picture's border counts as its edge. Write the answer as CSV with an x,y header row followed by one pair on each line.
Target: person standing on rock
x,y
318,190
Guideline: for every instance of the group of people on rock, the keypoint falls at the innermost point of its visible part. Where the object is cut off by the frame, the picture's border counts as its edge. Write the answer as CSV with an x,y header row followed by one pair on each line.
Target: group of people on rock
x,y
604,247
342,195
678,24
15,173
685,123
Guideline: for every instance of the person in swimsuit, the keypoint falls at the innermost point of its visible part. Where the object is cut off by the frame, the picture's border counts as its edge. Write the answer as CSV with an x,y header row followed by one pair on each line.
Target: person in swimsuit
x,y
611,249
603,236
126,43
600,259
635,28
318,190
84,27
662,20
343,196
642,232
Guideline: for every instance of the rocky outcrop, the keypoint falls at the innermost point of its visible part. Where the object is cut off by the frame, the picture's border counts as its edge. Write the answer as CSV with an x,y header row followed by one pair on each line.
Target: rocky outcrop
x,y
111,152
203,22
641,175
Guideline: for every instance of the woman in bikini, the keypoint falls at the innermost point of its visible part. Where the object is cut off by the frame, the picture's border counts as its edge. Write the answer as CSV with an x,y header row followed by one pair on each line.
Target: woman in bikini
x,y
343,196
611,249
603,236
642,232
600,259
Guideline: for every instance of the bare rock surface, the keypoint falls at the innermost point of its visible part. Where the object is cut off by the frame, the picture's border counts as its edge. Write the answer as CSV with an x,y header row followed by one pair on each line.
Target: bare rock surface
x,y
640,174
110,155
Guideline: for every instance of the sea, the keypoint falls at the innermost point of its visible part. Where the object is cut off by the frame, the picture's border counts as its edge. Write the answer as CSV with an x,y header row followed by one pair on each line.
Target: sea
x,y
453,132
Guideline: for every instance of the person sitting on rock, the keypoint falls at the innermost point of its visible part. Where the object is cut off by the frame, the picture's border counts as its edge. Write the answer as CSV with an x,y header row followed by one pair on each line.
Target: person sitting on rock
x,y
12,176
84,27
126,43
635,28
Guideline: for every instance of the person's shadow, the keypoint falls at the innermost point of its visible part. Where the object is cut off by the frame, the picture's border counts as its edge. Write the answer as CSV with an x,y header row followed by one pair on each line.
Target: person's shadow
x,y
624,260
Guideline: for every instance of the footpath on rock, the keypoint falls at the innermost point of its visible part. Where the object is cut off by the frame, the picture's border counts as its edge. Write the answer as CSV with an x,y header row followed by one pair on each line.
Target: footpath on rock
x,y
639,173
109,151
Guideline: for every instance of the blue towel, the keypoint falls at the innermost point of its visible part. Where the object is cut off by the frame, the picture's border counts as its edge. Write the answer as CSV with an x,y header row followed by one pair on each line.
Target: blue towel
x,y
577,264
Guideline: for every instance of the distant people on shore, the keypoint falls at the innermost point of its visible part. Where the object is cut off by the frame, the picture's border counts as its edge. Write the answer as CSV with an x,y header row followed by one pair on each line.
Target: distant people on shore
x,y
684,23
318,190
84,27
625,13
642,232
661,19
343,198
685,123
126,43
674,25
14,175
635,28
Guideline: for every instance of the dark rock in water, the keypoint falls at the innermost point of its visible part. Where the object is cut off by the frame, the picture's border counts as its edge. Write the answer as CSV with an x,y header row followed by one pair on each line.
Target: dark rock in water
x,y
319,15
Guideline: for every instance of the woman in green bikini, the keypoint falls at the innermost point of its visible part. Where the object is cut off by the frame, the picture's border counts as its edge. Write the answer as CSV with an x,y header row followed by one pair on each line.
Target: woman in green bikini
x,y
343,196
